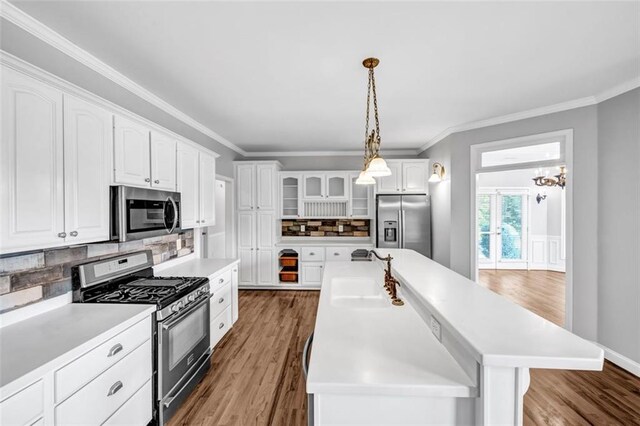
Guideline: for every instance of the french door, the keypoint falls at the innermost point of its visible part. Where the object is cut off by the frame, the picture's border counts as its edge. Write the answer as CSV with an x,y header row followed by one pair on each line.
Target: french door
x,y
502,218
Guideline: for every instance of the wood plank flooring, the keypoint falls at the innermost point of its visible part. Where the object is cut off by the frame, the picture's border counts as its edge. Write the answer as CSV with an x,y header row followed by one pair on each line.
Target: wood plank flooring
x,y
557,397
257,379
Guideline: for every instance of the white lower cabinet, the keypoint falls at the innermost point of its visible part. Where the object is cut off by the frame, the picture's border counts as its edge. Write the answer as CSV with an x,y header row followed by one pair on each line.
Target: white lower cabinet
x,y
312,274
135,411
220,325
224,303
314,259
24,407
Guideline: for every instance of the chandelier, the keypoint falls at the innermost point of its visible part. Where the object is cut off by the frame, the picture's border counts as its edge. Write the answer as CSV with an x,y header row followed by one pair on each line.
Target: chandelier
x,y
557,180
374,164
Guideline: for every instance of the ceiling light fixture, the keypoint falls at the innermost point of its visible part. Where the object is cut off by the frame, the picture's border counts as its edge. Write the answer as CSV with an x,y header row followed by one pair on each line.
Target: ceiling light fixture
x,y
558,180
438,173
374,164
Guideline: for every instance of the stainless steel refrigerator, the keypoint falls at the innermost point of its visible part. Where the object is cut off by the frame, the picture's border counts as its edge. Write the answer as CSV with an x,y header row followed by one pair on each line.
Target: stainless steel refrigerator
x,y
404,221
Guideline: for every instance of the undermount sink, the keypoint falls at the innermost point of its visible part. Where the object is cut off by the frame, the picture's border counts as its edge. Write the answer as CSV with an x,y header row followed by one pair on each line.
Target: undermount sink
x,y
357,292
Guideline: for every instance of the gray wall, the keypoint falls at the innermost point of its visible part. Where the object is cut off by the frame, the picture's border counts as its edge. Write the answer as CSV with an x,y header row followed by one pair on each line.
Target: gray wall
x,y
441,203
29,48
456,149
619,224
338,162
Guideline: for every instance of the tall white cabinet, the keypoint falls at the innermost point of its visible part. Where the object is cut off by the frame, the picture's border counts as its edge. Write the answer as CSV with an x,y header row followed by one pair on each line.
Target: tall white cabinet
x,y
256,201
54,173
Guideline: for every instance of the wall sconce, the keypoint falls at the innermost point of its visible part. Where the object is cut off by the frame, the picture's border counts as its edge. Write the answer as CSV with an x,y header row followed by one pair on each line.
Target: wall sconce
x,y
438,173
539,198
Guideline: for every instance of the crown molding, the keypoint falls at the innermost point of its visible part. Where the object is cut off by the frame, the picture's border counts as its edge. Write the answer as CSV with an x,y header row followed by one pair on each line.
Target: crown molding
x,y
386,152
536,112
36,28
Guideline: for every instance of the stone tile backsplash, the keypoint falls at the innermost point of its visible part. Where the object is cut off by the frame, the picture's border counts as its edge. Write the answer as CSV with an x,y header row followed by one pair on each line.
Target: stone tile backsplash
x,y
32,276
326,228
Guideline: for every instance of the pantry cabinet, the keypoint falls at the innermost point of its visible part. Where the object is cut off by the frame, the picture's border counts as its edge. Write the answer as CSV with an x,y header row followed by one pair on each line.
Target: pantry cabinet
x,y
196,171
66,200
407,176
256,195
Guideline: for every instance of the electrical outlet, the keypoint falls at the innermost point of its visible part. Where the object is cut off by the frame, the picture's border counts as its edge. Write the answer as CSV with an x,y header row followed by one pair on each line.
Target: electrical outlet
x,y
340,228
302,228
435,328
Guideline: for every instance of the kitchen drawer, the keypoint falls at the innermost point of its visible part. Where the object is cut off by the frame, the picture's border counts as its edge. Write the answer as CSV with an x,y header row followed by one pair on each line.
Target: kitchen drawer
x,y
217,281
312,254
24,407
220,300
97,401
220,325
136,411
337,254
82,370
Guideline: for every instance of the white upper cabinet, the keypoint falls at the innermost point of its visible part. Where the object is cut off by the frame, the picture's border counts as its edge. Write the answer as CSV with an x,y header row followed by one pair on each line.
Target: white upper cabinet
x,y
163,161
314,186
290,194
392,183
265,185
196,175
336,186
187,184
360,198
31,159
414,176
245,180
407,176
207,190
256,185
132,161
87,159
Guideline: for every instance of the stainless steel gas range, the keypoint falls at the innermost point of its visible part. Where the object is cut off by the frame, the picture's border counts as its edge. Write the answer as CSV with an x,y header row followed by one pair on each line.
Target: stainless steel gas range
x,y
181,329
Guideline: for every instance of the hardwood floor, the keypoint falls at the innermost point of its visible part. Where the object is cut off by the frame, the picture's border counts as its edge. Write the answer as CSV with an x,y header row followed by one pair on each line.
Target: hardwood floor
x,y
557,397
257,378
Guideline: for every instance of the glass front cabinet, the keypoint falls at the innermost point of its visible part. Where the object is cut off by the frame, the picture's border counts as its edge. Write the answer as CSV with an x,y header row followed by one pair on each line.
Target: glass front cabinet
x,y
360,198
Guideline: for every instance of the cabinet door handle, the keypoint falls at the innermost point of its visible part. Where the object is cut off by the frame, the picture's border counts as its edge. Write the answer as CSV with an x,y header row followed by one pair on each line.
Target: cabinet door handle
x,y
156,181
258,248
203,221
336,254
221,325
258,207
197,221
221,280
62,234
147,179
115,349
74,233
115,388
312,254
251,248
221,300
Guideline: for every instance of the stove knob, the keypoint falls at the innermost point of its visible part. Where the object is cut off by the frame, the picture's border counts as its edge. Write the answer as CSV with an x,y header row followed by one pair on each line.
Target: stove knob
x,y
191,297
175,307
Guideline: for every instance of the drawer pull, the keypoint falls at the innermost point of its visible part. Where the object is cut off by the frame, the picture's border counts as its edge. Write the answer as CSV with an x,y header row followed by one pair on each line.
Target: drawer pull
x,y
221,325
115,388
312,254
221,300
115,349
221,280
336,254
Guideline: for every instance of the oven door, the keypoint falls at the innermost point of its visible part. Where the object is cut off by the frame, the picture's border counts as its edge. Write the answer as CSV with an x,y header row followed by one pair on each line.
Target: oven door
x,y
183,344
142,213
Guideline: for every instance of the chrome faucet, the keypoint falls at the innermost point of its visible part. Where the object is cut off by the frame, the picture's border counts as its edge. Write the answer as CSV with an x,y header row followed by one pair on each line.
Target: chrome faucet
x,y
390,282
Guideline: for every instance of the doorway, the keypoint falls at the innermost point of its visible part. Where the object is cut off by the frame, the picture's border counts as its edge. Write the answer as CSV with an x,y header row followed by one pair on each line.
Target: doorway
x,y
521,231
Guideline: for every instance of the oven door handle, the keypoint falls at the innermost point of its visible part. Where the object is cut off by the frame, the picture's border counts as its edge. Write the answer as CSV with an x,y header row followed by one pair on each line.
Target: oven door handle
x,y
175,214
182,314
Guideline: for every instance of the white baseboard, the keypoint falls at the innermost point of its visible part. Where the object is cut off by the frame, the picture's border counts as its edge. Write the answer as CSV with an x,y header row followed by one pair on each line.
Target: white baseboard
x,y
621,361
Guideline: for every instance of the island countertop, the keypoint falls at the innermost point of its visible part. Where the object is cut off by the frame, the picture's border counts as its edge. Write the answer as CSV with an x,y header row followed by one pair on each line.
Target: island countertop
x,y
378,349
497,331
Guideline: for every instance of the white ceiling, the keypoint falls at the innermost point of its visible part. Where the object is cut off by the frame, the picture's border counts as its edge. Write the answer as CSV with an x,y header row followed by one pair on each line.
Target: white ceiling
x,y
278,76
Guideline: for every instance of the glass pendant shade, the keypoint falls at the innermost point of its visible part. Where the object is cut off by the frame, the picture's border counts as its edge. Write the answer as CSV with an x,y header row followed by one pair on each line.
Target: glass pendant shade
x,y
378,167
365,179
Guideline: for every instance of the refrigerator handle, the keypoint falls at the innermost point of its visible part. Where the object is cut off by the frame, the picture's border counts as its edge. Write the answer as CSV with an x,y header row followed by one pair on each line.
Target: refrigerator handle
x,y
403,229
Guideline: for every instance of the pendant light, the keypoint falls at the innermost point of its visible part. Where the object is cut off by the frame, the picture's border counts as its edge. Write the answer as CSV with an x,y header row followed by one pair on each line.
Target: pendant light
x,y
374,164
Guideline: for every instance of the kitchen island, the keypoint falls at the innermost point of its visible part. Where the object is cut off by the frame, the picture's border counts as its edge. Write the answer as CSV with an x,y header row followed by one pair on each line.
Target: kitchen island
x,y
454,353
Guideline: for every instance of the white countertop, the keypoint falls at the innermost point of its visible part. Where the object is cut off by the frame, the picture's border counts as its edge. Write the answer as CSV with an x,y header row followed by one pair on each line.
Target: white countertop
x,y
197,268
497,331
323,241
28,348
384,350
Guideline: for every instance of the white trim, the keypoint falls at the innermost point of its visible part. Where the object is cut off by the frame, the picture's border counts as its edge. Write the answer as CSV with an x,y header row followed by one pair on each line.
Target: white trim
x,y
16,16
621,361
384,152
34,309
536,112
566,136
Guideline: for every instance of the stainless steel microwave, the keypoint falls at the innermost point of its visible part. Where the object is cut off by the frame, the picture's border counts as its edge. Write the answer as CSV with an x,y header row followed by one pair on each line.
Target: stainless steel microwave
x,y
138,213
